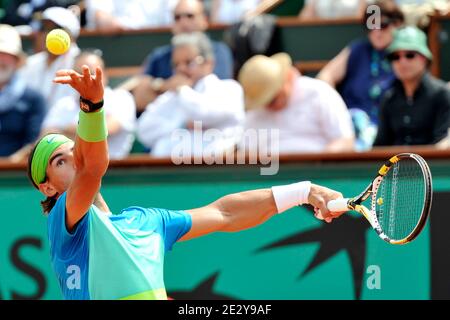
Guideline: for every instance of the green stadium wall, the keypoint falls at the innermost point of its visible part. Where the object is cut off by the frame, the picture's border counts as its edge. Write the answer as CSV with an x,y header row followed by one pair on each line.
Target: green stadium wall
x,y
292,256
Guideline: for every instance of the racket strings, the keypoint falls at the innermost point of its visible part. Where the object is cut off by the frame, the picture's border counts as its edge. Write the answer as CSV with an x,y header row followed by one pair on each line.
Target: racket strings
x,y
394,189
400,199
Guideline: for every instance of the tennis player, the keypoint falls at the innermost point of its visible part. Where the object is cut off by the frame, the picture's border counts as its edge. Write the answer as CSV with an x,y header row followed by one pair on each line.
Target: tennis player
x,y
97,255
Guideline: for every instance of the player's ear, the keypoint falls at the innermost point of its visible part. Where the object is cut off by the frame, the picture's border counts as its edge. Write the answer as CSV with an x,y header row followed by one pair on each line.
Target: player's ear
x,y
47,188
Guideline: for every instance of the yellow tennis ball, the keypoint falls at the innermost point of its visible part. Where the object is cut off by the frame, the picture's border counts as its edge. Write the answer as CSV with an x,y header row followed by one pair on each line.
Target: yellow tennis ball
x,y
380,201
57,41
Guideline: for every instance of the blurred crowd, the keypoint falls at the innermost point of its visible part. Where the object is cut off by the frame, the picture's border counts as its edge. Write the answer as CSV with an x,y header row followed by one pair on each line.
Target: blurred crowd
x,y
378,91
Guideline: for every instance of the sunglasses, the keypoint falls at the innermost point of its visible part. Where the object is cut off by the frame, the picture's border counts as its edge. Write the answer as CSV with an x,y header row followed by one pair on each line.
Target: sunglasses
x,y
199,60
179,16
397,56
385,24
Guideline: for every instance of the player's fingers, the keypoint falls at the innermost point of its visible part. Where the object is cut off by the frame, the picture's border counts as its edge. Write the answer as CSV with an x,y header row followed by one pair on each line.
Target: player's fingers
x,y
98,74
317,213
324,210
71,73
86,73
63,80
337,195
75,76
63,72
337,214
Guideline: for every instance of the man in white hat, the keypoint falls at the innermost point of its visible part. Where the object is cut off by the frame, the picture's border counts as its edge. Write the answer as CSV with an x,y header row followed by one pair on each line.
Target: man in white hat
x,y
22,109
41,67
309,115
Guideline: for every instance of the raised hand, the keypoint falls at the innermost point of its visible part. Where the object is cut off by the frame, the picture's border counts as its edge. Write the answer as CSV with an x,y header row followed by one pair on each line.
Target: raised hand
x,y
89,86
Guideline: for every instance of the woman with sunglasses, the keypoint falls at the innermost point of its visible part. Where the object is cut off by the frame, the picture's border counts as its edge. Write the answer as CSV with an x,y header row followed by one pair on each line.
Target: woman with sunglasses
x,y
416,110
360,72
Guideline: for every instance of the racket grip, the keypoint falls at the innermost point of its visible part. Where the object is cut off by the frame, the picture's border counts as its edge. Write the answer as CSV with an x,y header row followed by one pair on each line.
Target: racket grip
x,y
338,205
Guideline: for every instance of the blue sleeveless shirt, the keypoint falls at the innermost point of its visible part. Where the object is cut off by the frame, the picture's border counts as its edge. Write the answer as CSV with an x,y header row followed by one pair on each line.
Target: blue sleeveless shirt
x,y
368,77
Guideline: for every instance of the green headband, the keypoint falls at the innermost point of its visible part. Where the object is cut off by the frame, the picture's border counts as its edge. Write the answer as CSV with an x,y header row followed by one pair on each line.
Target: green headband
x,y
42,153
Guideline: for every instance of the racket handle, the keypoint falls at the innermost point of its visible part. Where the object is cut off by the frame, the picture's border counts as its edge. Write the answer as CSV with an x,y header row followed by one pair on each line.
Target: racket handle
x,y
338,205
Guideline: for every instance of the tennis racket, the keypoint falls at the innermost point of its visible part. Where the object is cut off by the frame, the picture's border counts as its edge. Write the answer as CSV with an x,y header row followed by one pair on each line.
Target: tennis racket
x,y
400,199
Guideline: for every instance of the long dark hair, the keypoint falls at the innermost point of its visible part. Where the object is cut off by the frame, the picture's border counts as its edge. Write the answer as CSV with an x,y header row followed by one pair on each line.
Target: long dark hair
x,y
47,204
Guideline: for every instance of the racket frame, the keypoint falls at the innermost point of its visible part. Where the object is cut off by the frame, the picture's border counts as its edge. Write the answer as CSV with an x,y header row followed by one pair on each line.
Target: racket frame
x,y
371,191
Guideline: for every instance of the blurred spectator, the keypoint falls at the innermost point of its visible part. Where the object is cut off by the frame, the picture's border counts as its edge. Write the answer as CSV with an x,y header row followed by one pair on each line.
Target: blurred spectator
x,y
444,143
232,11
41,67
416,110
252,36
119,107
197,95
22,12
309,115
189,16
418,12
21,109
130,14
361,72
332,9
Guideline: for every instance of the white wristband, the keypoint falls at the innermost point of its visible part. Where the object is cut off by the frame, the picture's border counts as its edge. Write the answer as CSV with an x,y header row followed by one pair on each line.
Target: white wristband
x,y
291,195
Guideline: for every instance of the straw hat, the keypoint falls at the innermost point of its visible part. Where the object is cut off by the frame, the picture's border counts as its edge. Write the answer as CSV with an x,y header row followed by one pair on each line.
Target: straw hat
x,y
263,77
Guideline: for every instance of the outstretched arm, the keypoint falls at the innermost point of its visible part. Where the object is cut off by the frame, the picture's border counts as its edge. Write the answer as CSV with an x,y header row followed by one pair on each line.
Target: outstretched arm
x,y
248,209
91,149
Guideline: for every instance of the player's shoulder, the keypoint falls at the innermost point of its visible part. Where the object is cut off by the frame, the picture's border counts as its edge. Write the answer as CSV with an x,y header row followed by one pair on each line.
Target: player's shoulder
x,y
157,218
152,211
141,212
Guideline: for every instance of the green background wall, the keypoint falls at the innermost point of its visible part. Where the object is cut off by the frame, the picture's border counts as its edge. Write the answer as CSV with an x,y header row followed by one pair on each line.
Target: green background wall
x,y
236,265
